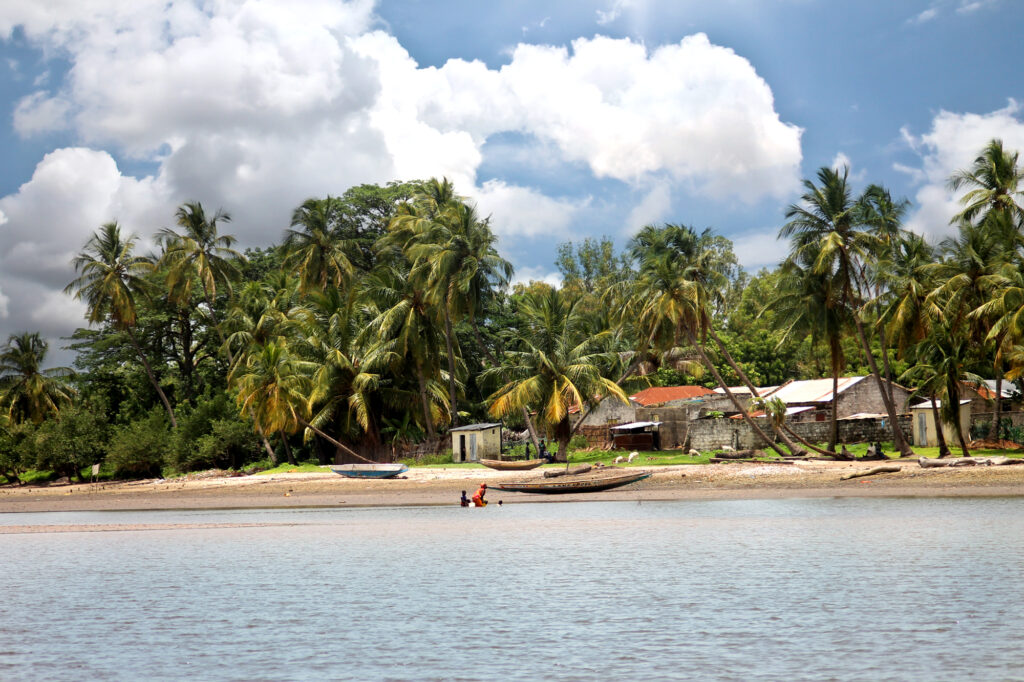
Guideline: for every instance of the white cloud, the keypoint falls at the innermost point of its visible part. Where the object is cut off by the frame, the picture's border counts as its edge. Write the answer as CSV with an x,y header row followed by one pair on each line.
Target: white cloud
x,y
652,208
4,303
525,275
953,143
255,105
608,16
39,113
522,212
759,248
925,16
841,161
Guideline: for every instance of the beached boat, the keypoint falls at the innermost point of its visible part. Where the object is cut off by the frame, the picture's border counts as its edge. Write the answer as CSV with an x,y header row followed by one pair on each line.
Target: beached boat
x,y
369,470
557,487
512,464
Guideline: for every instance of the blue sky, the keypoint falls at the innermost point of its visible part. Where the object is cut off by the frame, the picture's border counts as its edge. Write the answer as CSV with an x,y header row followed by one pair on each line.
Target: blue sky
x,y
561,120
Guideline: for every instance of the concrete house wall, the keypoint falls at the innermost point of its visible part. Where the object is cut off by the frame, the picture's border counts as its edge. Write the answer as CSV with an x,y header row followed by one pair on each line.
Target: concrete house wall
x,y
611,411
475,442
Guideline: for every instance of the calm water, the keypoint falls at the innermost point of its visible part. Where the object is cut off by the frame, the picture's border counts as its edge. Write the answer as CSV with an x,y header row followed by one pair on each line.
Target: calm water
x,y
843,589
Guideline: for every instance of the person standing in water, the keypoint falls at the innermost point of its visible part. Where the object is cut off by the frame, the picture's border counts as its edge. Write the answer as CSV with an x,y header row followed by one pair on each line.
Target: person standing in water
x,y
465,500
478,497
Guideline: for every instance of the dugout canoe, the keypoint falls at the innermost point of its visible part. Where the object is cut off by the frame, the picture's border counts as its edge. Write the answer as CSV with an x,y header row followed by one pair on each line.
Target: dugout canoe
x,y
369,470
511,464
558,487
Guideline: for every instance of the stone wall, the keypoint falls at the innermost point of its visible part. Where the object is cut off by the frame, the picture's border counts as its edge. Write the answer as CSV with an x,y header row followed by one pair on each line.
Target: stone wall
x,y
712,434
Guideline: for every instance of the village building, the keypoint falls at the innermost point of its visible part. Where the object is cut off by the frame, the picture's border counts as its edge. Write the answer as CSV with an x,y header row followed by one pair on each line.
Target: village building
x,y
474,442
859,397
923,423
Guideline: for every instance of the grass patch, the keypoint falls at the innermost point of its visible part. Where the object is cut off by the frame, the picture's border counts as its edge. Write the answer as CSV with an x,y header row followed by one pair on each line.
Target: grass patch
x,y
301,468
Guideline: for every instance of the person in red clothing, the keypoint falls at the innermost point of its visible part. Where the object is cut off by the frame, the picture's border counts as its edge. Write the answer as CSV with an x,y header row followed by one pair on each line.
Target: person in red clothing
x,y
478,496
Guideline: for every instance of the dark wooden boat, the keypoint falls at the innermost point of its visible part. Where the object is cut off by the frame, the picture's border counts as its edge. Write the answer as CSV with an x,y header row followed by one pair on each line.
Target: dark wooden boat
x,y
558,487
512,464
369,470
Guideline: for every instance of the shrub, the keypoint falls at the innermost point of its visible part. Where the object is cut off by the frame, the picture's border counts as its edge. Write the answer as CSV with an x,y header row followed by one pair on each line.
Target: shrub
x,y
193,424
139,449
578,442
71,441
231,444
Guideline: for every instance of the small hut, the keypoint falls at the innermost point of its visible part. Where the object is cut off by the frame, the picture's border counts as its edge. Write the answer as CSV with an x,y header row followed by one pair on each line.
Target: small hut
x,y
925,433
636,436
474,442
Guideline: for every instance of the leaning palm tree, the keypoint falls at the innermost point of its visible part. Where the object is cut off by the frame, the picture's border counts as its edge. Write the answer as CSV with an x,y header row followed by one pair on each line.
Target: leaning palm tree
x,y
27,392
112,279
553,367
680,278
827,223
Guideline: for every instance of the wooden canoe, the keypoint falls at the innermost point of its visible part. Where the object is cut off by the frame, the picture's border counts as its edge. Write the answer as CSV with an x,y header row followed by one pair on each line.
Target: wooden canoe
x,y
512,464
369,470
558,487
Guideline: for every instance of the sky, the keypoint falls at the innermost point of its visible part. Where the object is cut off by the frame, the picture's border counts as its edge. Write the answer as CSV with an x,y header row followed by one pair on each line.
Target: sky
x,y
561,121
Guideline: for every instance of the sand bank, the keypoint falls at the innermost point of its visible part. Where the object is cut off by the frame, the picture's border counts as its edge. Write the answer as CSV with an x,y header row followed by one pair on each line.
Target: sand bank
x,y
440,485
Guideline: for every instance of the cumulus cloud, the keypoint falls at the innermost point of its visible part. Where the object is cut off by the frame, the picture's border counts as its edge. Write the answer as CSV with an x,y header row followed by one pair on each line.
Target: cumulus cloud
x,y
255,105
759,248
953,143
842,161
525,275
652,208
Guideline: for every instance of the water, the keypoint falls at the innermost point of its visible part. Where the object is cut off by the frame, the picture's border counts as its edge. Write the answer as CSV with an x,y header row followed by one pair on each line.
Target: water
x,y
825,589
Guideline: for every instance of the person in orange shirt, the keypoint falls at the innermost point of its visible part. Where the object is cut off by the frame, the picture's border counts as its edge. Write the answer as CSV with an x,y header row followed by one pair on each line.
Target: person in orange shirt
x,y
478,496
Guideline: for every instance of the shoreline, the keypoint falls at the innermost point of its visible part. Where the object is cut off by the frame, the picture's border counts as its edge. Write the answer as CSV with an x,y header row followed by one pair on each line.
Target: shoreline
x,y
433,486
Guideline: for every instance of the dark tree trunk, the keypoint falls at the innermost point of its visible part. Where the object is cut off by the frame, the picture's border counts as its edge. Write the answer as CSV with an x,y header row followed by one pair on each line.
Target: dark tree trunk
x,y
452,398
943,448
425,402
793,448
897,433
994,431
721,382
833,434
152,377
563,432
287,448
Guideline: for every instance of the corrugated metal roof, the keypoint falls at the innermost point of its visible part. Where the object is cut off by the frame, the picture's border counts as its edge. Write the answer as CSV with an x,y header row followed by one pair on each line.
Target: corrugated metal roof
x,y
634,425
663,394
812,390
475,427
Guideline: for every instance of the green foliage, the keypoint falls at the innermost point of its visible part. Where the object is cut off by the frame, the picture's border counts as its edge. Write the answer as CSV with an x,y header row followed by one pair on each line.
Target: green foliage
x,y
139,449
75,440
231,444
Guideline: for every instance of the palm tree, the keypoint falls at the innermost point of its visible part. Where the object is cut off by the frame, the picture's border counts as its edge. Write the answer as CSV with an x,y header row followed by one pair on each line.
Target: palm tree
x,y
679,279
455,258
198,252
808,305
313,248
827,223
995,184
404,331
553,367
112,279
28,393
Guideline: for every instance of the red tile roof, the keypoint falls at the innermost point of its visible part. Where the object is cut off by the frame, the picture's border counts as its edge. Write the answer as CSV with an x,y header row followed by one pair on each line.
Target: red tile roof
x,y
662,394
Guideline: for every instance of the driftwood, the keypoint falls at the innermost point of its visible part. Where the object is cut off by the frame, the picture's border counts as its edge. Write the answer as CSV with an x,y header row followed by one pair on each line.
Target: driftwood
x,y
886,469
555,473
722,460
967,462
740,454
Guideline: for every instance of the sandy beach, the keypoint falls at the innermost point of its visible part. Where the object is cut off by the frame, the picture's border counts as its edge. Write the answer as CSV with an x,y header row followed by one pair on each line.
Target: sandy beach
x,y
441,486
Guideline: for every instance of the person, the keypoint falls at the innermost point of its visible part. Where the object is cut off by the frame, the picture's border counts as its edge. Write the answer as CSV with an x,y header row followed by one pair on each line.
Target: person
x,y
465,500
542,452
478,497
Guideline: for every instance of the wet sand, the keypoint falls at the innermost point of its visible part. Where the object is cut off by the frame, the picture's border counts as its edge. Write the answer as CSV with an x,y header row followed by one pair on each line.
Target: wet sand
x,y
442,486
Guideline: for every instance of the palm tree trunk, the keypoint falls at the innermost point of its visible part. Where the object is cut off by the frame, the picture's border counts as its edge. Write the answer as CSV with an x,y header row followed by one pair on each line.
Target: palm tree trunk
x,y
334,441
953,408
721,382
266,444
287,449
451,364
943,448
809,444
994,432
152,377
885,362
793,449
494,362
897,433
429,425
564,434
833,436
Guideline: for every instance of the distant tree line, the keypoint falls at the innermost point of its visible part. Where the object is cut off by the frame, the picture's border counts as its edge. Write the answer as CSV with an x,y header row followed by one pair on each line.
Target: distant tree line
x,y
385,316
